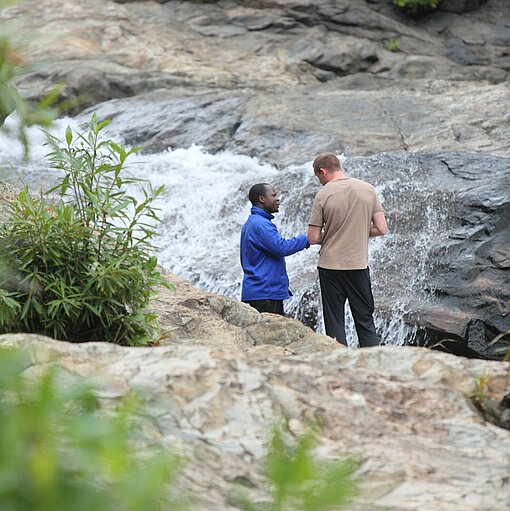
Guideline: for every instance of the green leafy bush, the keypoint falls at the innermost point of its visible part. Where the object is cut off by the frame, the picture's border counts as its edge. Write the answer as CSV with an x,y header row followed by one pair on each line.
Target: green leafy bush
x,y
58,453
298,481
417,6
80,267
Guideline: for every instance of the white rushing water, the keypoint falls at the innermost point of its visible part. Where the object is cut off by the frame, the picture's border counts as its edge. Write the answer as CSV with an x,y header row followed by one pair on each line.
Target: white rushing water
x,y
205,204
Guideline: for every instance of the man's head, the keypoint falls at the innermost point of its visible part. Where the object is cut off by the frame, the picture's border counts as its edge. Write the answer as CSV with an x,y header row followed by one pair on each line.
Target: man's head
x,y
326,166
263,196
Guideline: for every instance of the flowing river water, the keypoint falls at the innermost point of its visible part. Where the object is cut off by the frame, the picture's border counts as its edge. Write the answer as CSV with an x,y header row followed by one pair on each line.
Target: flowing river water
x,y
205,204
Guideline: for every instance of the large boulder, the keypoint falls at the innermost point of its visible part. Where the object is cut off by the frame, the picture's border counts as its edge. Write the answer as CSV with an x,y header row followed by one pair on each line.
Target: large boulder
x,y
189,316
406,414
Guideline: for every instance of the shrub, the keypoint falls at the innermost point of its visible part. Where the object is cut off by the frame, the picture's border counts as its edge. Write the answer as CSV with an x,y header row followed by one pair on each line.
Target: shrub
x,y
82,263
417,6
58,453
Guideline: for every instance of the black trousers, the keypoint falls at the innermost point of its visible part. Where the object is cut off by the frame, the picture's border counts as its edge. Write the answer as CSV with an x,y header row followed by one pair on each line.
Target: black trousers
x,y
337,286
274,306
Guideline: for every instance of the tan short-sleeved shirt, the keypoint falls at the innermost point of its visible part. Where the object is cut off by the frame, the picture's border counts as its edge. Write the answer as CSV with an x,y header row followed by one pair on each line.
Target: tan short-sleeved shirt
x,y
344,209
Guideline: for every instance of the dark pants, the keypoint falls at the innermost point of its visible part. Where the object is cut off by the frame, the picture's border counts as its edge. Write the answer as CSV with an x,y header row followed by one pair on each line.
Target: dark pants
x,y
337,286
274,306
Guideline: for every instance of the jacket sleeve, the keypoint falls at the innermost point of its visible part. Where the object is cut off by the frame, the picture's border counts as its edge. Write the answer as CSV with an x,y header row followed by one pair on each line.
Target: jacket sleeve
x,y
270,241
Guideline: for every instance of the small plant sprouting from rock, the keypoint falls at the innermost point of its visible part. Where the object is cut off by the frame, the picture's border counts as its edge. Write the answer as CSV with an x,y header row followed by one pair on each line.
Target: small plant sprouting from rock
x,y
393,44
298,480
83,264
501,345
481,387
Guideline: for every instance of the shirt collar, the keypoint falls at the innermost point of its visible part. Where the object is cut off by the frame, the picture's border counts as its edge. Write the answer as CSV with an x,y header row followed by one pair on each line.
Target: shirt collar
x,y
259,211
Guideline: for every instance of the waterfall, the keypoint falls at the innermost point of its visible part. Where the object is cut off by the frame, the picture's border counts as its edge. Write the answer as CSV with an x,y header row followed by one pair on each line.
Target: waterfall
x,y
205,204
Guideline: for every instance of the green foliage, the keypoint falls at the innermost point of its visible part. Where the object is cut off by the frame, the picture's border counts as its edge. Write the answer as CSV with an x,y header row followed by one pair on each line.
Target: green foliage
x,y
12,66
393,44
58,453
501,345
301,482
83,264
417,6
481,387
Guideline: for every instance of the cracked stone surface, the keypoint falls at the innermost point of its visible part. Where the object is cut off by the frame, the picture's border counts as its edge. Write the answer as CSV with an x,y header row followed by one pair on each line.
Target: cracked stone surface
x,y
278,80
405,413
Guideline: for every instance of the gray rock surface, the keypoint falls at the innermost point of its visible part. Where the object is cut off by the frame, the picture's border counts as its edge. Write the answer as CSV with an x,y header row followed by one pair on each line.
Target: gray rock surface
x,y
281,80
104,50
356,115
405,413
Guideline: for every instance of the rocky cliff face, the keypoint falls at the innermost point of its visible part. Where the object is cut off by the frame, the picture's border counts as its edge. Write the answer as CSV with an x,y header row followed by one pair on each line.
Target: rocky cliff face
x,y
282,80
107,50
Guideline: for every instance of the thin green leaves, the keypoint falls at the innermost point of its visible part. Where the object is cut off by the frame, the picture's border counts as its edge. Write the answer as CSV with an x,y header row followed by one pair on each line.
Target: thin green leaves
x,y
417,6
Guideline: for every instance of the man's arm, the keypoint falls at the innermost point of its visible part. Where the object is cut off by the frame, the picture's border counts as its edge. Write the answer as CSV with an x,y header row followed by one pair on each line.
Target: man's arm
x,y
314,235
379,226
267,238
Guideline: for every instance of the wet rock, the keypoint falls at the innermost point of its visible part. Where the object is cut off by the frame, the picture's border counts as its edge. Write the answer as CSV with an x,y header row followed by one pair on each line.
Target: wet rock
x,y
465,279
442,267
462,53
290,128
158,122
460,6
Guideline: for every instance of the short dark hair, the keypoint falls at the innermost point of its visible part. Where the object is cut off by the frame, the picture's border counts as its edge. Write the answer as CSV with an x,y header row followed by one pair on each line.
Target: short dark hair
x,y
328,161
256,191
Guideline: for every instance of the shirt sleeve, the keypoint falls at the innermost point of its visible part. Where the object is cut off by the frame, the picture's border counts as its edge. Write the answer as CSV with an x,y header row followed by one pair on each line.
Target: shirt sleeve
x,y
270,241
377,204
316,217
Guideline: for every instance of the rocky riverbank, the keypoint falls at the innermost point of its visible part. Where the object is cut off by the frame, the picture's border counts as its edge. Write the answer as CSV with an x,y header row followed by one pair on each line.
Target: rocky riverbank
x,y
281,80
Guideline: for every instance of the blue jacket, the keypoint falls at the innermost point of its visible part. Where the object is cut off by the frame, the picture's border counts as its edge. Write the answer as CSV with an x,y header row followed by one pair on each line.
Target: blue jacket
x,y
263,252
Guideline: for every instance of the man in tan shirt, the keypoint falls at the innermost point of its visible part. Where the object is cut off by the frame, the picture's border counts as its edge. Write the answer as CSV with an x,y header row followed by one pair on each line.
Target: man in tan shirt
x,y
345,213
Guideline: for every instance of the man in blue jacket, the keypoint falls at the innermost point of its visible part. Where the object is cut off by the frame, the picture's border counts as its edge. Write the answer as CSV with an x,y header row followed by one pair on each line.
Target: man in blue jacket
x,y
263,251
